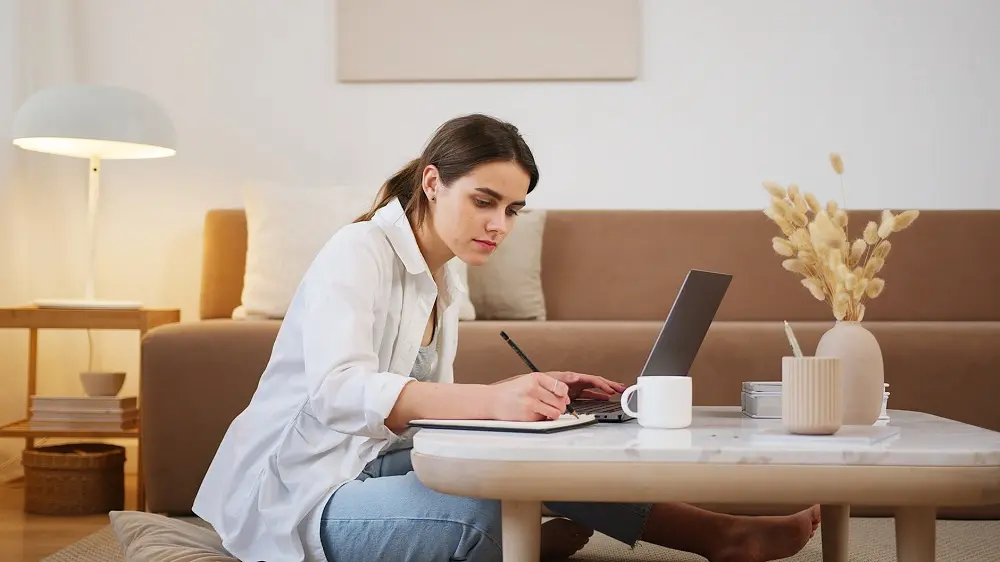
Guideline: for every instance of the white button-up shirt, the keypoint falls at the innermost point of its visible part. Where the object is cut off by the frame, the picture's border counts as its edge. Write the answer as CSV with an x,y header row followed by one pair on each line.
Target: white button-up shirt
x,y
342,355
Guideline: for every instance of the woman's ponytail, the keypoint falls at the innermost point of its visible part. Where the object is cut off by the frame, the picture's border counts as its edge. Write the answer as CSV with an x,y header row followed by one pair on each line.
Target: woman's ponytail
x,y
403,184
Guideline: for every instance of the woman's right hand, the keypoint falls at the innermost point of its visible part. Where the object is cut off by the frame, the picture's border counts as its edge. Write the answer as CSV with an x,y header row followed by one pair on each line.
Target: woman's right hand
x,y
530,397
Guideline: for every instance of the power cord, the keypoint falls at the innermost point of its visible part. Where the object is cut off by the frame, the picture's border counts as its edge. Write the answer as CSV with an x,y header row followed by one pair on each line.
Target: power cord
x,y
90,351
15,459
43,440
9,462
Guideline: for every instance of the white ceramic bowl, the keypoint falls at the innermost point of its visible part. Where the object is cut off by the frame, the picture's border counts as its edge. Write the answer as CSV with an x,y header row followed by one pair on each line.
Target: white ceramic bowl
x,y
102,383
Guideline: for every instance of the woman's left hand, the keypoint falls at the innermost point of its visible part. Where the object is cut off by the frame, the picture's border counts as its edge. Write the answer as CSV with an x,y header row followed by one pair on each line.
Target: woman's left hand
x,y
590,387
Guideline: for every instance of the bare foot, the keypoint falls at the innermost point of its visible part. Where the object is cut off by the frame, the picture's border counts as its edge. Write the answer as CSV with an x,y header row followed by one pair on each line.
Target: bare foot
x,y
760,539
562,538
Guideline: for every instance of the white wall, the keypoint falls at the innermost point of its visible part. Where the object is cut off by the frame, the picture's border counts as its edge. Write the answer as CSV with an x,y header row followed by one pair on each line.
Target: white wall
x,y
39,205
732,93
11,395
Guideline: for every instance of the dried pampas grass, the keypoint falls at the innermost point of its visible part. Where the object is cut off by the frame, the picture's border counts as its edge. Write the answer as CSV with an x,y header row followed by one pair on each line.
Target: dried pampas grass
x,y
816,244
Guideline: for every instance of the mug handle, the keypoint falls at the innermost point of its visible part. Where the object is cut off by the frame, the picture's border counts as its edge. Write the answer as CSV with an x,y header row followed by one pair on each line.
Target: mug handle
x,y
625,397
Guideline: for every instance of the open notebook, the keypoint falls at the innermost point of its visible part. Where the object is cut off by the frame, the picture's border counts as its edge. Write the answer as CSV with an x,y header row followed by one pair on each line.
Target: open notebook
x,y
566,421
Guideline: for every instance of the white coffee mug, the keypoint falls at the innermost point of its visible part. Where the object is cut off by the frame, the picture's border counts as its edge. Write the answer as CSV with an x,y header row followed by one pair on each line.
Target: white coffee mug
x,y
664,402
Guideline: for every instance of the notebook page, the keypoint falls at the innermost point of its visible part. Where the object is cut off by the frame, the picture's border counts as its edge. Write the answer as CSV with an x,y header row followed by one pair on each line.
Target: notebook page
x,y
564,421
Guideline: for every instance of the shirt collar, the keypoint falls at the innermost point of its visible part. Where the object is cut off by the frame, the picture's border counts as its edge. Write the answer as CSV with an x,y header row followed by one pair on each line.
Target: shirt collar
x,y
392,219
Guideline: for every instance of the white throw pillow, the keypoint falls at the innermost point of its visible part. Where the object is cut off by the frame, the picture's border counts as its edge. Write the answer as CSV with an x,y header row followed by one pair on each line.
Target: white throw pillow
x,y
286,227
466,311
509,285
150,537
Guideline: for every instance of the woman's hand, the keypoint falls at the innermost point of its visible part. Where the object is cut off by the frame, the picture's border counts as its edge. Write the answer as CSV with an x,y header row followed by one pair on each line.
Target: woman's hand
x,y
531,397
542,396
588,386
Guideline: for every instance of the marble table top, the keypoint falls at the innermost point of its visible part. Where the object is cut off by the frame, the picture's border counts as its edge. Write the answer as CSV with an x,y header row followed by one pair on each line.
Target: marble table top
x,y
724,435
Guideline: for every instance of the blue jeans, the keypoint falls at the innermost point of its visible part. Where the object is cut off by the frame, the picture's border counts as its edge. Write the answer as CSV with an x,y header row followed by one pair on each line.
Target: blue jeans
x,y
388,515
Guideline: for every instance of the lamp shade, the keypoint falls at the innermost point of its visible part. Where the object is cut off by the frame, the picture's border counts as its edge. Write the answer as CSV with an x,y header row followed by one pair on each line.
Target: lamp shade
x,y
85,121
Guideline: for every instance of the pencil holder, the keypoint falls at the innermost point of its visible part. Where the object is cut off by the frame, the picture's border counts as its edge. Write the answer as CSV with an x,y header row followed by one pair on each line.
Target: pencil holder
x,y
811,395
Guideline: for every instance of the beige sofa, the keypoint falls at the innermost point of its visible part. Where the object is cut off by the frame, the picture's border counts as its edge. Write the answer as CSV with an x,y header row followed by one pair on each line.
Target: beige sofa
x,y
609,278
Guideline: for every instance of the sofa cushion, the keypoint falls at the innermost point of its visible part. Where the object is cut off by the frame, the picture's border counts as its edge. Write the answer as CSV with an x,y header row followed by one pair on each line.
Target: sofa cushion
x,y
286,228
466,311
615,350
942,368
628,265
148,537
509,285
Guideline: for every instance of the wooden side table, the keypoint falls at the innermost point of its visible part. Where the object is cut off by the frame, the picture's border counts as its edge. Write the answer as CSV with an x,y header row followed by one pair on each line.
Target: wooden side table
x,y
35,318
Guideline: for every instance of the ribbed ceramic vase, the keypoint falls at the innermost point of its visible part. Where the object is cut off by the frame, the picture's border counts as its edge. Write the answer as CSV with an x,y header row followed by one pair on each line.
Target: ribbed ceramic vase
x,y
862,370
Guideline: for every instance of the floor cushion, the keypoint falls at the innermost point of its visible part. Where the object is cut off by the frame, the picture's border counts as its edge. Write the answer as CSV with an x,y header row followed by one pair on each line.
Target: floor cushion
x,y
149,537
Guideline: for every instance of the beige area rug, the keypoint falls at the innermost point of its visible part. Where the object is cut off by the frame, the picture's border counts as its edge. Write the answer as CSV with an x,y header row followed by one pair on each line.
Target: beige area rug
x,y
101,545
872,540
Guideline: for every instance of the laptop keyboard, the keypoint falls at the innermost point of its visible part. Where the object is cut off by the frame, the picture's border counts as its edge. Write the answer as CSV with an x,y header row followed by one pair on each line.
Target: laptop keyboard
x,y
596,406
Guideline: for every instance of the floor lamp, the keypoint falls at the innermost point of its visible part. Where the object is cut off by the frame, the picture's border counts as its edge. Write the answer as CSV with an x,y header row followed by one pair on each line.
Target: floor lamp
x,y
96,123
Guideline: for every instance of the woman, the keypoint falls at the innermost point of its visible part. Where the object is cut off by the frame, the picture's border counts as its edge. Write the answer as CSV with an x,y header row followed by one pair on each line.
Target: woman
x,y
317,467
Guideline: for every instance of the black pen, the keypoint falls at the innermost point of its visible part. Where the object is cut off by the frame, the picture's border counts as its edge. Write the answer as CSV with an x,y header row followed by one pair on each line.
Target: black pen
x,y
506,338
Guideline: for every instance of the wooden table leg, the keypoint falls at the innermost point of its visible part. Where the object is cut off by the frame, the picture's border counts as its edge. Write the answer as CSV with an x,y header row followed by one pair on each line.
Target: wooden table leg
x,y
522,530
916,529
836,521
29,443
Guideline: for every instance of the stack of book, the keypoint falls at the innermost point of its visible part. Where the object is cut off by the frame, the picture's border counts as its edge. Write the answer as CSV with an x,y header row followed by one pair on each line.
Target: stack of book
x,y
83,413
762,400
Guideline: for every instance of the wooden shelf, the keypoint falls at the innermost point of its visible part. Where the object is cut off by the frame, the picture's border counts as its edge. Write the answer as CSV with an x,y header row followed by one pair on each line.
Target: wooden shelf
x,y
21,428
35,318
95,319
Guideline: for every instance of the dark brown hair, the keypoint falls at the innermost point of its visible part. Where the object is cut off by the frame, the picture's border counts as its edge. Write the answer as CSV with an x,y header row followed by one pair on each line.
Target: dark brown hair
x,y
458,146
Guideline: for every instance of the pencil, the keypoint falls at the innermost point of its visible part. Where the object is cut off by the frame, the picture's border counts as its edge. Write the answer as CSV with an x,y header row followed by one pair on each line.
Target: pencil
x,y
796,350
517,350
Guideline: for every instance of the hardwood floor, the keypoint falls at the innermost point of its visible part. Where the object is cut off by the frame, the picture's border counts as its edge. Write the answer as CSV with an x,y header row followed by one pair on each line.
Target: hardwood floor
x,y
29,538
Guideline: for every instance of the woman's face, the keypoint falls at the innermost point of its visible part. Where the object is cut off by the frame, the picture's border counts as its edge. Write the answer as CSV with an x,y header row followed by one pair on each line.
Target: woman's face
x,y
475,213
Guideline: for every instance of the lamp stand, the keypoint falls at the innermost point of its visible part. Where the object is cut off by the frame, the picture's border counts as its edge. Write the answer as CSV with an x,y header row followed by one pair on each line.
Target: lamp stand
x,y
88,300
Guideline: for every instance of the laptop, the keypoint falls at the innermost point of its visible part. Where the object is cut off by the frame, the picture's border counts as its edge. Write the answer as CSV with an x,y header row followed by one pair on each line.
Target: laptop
x,y
680,338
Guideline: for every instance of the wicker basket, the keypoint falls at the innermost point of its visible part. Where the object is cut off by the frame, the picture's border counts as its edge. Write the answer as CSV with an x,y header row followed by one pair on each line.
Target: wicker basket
x,y
74,479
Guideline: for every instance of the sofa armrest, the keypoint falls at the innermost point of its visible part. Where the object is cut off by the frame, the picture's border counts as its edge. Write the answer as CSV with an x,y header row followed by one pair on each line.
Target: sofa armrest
x,y
196,378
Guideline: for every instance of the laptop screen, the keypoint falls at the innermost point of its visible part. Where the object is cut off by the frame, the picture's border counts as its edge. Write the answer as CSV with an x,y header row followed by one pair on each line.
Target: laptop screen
x,y
687,323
